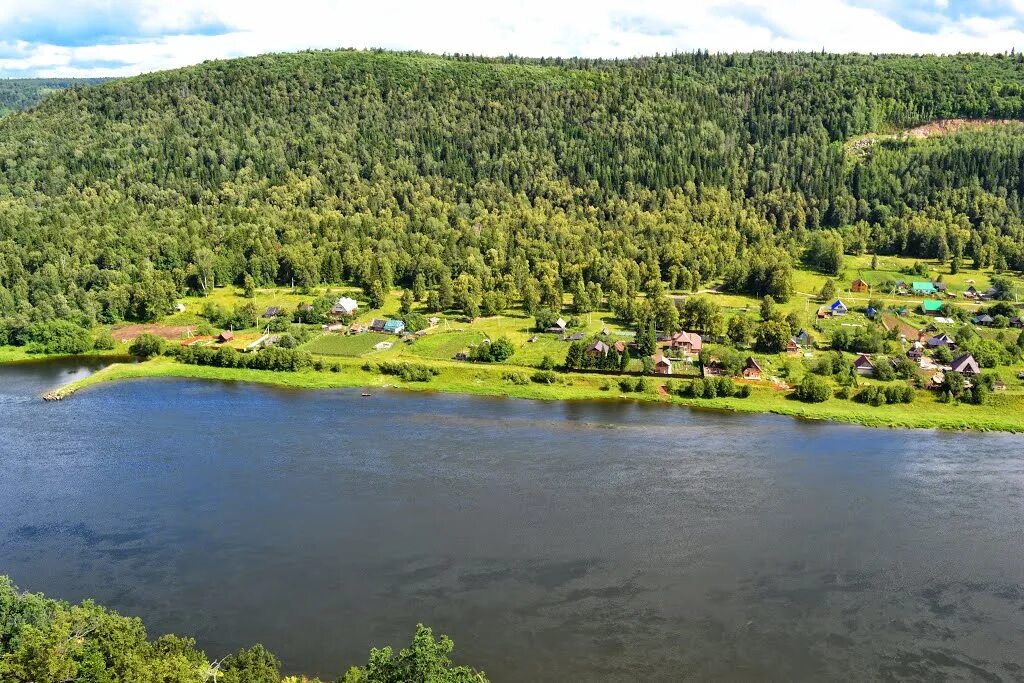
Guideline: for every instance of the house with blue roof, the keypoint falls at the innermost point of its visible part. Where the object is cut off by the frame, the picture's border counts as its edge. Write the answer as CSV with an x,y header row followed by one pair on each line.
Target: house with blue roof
x,y
392,326
838,308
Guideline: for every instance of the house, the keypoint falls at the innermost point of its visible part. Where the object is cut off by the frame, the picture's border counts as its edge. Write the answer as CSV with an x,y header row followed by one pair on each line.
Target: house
x,y
923,288
620,346
941,339
344,306
558,326
393,326
662,365
804,339
999,385
971,293
965,365
871,312
824,312
605,331
714,368
940,287
598,349
377,325
989,293
225,336
334,327
576,336
859,286
931,306
751,369
1016,321
356,328
916,351
532,340
983,319
864,366
838,308
272,312
688,343
793,346
462,355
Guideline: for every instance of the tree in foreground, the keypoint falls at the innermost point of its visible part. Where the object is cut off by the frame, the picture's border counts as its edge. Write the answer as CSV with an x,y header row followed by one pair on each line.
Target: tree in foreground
x,y
425,661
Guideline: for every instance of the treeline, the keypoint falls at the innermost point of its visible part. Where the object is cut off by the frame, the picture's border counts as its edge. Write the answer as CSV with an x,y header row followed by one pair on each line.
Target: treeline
x,y
50,641
480,184
19,94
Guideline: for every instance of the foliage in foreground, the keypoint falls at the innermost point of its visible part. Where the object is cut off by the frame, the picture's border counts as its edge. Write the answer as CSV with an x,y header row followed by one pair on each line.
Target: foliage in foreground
x,y
50,641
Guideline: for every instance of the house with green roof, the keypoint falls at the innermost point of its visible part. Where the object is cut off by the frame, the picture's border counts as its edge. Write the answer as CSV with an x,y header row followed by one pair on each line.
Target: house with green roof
x,y
923,288
931,306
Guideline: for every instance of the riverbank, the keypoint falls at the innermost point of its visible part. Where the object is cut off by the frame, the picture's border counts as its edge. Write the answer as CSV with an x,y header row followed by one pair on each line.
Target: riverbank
x,y
1003,413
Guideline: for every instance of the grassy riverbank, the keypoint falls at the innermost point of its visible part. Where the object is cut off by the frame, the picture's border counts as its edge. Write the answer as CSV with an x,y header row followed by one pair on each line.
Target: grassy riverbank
x,y
1003,413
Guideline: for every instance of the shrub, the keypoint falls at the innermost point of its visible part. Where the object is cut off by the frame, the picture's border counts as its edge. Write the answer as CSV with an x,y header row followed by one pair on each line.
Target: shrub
x,y
59,336
544,377
547,363
147,346
743,391
813,389
517,378
103,341
410,372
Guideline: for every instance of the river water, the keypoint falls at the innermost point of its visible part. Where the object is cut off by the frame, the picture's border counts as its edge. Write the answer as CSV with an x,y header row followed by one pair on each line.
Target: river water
x,y
552,541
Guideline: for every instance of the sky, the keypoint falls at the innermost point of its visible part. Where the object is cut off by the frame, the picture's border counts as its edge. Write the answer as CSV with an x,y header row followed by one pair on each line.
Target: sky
x,y
124,37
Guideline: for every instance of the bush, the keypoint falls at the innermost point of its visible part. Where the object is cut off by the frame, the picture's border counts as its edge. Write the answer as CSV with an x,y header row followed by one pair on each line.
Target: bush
x,y
58,336
147,346
544,377
497,351
104,341
287,341
517,378
547,363
813,389
410,372
743,391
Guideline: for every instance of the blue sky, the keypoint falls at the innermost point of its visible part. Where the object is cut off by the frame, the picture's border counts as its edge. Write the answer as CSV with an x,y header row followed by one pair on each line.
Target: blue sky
x,y
121,37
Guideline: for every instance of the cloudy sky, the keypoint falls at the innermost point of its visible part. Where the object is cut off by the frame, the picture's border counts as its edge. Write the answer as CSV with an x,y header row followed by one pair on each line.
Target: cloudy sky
x,y
122,37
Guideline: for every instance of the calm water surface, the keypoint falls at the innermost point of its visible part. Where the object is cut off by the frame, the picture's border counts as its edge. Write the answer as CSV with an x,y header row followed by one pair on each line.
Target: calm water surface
x,y
553,542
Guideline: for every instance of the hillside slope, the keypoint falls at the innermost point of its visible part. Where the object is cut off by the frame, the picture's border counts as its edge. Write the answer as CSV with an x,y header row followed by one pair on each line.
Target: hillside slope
x,y
391,168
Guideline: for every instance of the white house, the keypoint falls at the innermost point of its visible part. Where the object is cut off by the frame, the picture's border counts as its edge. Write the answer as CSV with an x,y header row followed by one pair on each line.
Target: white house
x,y
345,306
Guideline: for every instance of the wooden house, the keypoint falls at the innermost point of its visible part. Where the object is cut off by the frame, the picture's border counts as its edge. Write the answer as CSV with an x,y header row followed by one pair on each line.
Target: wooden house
x,y
751,369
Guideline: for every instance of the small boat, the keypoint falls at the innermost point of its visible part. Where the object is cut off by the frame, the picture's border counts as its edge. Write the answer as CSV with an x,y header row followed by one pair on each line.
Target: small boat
x,y
367,393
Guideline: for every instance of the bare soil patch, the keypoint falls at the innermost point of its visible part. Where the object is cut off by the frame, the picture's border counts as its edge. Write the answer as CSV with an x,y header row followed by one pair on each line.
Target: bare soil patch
x,y
123,333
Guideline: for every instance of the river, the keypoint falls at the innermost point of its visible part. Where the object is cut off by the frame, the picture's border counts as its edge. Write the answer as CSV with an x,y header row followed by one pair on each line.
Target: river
x,y
552,541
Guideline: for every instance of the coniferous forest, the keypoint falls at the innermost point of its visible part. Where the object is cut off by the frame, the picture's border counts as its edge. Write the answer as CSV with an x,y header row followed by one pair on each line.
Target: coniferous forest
x,y
513,179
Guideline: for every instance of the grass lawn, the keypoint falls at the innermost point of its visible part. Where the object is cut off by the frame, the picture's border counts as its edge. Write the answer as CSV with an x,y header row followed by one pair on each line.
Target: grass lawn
x,y
347,345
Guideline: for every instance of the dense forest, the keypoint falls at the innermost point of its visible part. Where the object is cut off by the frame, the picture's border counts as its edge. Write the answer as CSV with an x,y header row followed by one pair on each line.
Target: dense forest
x,y
19,94
498,182
50,641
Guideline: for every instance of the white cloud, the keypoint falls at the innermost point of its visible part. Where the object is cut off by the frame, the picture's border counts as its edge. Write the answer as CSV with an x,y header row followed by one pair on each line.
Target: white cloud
x,y
163,34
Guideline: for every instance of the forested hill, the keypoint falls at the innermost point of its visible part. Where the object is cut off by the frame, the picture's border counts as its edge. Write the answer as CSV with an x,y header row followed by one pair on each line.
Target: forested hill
x,y
510,177
19,94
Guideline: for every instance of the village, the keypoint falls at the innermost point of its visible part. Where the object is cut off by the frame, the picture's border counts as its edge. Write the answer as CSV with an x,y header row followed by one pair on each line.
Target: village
x,y
878,331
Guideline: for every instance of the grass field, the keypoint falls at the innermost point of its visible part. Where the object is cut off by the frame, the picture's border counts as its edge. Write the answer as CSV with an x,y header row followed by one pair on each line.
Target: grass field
x,y
351,345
